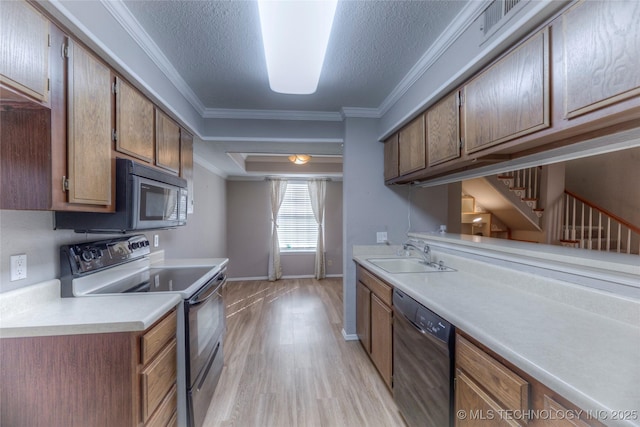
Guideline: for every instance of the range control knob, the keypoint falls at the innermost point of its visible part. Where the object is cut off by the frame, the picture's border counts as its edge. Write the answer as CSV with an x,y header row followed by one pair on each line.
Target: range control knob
x,y
87,255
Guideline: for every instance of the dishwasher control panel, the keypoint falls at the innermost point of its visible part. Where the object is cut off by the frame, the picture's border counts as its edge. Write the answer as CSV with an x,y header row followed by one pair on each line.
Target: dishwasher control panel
x,y
430,322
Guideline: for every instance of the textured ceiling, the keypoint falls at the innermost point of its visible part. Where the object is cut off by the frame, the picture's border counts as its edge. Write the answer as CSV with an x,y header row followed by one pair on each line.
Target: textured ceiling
x,y
216,47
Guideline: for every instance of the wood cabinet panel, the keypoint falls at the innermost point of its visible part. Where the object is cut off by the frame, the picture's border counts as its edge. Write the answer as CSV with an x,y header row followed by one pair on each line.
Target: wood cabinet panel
x,y
25,159
157,379
153,341
186,165
377,286
412,148
382,338
68,381
510,98
443,130
167,143
134,122
24,49
478,407
89,151
508,388
601,45
166,410
391,157
363,315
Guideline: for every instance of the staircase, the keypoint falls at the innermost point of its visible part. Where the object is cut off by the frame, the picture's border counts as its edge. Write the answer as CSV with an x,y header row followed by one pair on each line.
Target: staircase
x,y
522,189
587,226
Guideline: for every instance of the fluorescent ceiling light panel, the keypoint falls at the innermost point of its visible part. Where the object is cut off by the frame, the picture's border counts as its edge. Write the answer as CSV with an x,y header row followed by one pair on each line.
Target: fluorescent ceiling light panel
x,y
295,34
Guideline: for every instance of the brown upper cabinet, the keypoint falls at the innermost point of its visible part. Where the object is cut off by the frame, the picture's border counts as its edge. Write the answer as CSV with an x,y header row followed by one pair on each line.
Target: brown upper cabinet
x,y
391,157
167,143
601,48
412,155
443,130
134,133
510,98
186,165
24,50
89,150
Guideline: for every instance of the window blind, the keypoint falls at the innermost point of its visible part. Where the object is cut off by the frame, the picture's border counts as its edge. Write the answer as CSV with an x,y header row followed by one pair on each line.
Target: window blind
x,y
297,227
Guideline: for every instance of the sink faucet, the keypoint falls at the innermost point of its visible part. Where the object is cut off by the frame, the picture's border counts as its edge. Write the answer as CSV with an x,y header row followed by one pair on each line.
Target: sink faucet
x,y
425,251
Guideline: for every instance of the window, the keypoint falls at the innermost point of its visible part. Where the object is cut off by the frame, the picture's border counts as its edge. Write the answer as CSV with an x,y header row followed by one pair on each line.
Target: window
x,y
297,226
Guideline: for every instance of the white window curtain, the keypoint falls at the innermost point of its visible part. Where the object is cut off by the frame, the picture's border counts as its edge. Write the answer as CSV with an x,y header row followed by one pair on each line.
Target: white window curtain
x,y
317,191
278,189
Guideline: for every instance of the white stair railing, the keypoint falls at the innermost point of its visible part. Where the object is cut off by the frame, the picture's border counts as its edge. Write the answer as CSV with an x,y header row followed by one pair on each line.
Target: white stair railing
x,y
588,226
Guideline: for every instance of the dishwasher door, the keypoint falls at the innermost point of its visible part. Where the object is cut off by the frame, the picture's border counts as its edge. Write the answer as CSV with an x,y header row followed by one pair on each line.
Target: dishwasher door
x,y
422,363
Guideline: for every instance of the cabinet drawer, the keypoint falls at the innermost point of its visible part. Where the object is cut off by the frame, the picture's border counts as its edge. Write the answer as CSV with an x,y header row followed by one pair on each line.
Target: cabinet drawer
x,y
507,387
166,410
377,286
157,379
157,337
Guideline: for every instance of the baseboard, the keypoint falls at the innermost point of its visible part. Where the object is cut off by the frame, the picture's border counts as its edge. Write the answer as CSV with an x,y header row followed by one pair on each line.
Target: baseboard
x,y
241,279
247,279
349,337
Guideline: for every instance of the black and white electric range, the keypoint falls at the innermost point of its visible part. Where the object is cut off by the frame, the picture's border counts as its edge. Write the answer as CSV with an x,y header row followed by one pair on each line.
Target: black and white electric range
x,y
122,266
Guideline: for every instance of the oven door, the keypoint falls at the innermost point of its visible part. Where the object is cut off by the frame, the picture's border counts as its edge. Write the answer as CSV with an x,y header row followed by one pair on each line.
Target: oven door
x,y
205,320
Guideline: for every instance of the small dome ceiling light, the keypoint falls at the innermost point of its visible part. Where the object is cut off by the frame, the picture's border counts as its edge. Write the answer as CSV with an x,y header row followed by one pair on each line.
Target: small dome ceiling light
x,y
299,159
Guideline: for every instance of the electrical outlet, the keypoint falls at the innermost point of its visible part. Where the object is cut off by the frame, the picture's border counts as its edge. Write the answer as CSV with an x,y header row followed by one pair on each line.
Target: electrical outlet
x,y
381,237
18,267
329,262
156,240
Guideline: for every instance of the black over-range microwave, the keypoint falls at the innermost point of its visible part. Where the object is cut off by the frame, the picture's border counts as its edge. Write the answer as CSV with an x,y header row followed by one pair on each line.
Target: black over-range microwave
x,y
146,199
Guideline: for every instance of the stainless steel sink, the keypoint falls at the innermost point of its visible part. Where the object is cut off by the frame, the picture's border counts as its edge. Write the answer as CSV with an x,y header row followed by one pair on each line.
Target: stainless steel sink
x,y
408,265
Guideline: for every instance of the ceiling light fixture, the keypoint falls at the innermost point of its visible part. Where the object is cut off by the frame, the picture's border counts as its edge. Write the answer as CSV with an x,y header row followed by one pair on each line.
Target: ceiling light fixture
x,y
299,159
295,35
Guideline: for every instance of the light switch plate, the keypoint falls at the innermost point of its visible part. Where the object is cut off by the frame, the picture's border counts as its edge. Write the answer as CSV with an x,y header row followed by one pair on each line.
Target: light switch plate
x,y
381,237
156,240
18,267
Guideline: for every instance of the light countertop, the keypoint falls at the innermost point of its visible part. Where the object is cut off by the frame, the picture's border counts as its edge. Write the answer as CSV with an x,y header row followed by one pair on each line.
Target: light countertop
x,y
48,314
38,310
582,343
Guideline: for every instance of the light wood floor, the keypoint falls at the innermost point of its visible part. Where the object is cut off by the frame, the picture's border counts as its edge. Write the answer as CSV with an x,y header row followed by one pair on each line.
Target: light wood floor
x,y
287,364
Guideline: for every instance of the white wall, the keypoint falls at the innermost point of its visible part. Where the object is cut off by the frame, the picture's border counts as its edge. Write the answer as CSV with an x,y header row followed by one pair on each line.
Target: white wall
x,y
370,206
249,232
32,233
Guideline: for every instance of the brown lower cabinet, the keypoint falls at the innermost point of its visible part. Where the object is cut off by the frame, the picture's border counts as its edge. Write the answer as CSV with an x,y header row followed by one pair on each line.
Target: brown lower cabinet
x,y
111,379
491,392
374,321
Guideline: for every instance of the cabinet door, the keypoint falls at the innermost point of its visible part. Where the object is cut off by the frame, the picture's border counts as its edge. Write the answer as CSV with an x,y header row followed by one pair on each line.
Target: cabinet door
x,y
475,408
186,165
134,122
24,49
89,151
411,146
391,158
509,99
443,130
602,54
382,338
363,315
167,143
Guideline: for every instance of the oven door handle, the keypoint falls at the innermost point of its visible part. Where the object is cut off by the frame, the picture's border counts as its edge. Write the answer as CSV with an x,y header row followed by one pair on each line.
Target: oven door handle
x,y
213,291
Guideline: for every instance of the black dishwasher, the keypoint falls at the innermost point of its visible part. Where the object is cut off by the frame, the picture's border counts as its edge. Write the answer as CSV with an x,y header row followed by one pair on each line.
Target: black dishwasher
x,y
423,345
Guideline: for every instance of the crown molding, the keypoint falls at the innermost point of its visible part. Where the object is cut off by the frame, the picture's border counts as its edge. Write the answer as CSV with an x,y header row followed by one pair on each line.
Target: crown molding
x,y
221,113
458,26
133,27
363,113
